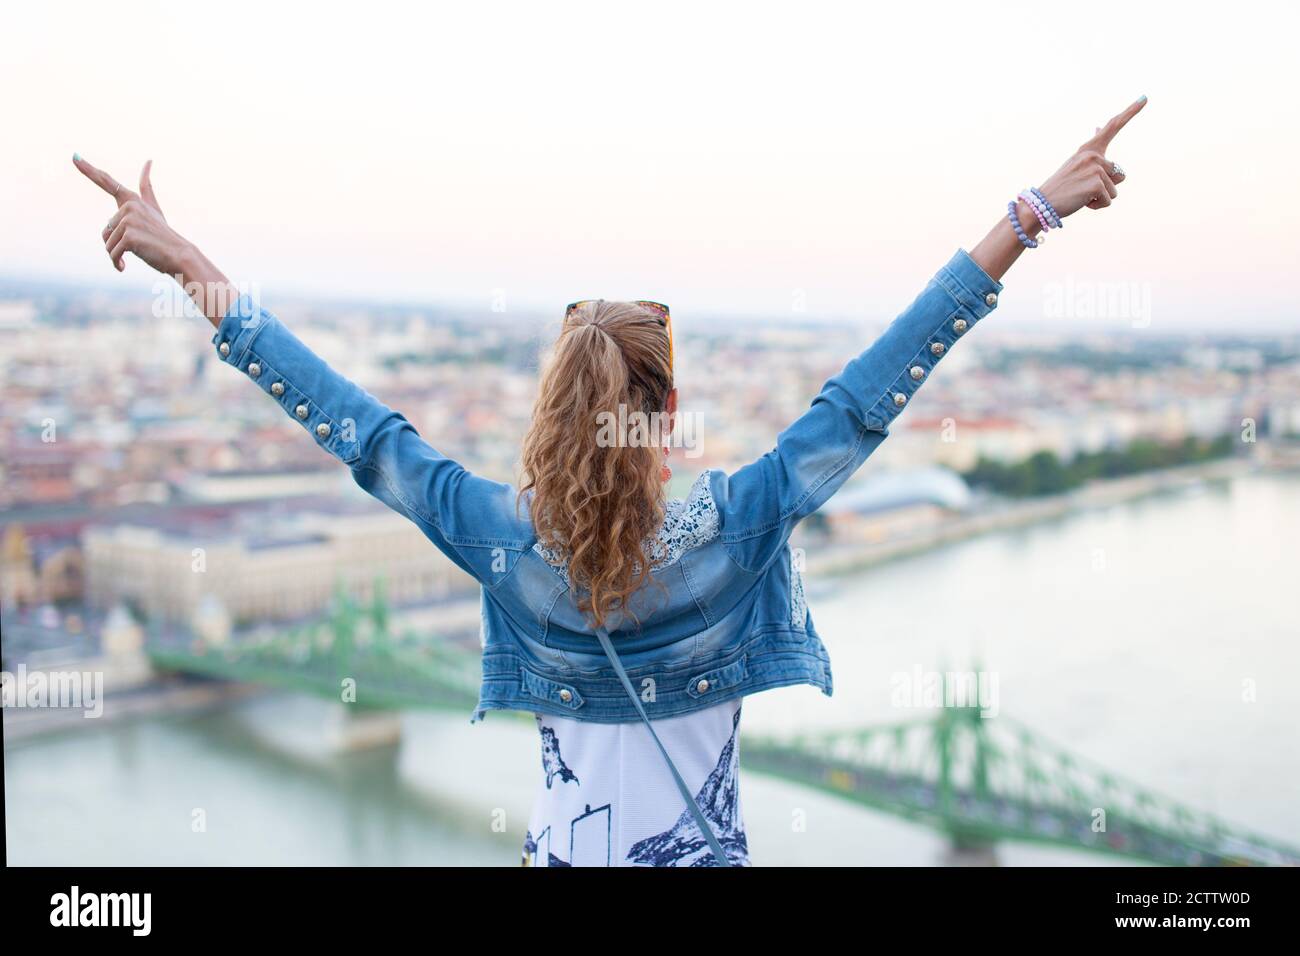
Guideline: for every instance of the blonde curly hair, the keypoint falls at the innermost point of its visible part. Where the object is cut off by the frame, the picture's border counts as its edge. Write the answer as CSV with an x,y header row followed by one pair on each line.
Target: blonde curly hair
x,y
597,503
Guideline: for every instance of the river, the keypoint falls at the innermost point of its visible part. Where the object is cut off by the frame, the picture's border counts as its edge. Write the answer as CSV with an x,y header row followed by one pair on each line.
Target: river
x,y
1155,638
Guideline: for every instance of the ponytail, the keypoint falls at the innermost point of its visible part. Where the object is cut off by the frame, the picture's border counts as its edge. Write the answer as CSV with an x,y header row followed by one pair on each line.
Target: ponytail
x,y
595,502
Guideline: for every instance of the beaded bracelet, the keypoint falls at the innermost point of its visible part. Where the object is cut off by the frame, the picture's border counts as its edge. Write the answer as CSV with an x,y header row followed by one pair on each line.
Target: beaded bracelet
x,y
1051,212
1020,230
1032,202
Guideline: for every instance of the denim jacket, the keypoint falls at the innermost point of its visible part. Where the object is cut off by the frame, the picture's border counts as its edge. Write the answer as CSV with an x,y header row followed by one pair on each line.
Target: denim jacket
x,y
730,619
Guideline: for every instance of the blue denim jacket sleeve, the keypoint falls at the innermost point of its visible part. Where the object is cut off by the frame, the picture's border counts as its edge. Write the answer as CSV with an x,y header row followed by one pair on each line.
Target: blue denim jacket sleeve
x,y
760,503
474,521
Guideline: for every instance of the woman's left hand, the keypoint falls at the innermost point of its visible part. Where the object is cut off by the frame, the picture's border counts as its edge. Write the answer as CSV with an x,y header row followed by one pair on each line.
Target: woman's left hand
x,y
139,225
1088,178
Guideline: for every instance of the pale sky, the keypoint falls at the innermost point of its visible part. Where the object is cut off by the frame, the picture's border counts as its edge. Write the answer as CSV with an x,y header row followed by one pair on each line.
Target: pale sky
x,y
720,158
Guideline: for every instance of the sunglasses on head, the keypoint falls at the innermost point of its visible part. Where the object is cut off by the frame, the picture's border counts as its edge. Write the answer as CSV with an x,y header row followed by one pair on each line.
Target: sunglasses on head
x,y
656,307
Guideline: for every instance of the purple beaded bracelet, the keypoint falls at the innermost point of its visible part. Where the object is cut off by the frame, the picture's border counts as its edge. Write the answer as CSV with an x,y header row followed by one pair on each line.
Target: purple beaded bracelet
x,y
1020,230
1047,207
1032,202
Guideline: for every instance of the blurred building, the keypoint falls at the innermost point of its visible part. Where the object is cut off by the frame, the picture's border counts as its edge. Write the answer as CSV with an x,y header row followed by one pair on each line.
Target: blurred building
x,y
283,571
37,573
894,504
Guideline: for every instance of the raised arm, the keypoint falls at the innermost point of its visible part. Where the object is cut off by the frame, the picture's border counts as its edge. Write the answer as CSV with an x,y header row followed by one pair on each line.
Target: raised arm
x,y
761,502
474,521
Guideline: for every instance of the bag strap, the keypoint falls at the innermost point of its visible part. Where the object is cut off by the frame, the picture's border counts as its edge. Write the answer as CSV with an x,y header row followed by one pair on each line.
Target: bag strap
x,y
707,831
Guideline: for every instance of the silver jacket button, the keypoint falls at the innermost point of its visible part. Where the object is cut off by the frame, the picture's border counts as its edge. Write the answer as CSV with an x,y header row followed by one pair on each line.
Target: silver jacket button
x,y
702,686
323,430
301,411
991,299
916,372
959,326
566,695
277,389
224,349
938,348
254,369
900,399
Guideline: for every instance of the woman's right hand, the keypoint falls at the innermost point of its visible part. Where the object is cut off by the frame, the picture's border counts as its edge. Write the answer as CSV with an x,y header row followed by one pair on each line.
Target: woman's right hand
x,y
139,225
1088,178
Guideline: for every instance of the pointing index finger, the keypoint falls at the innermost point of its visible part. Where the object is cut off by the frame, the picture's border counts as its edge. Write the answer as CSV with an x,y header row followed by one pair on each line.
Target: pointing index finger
x,y
102,179
1107,133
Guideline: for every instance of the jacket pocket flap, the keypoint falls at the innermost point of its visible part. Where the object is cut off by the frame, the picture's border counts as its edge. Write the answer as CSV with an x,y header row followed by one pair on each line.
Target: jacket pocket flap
x,y
563,694
720,678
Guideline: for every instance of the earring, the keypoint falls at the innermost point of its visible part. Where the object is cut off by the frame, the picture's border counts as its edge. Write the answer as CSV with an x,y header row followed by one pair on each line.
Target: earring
x,y
664,471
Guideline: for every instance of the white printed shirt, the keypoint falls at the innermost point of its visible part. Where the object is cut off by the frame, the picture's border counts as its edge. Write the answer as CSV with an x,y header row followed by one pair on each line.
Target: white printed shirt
x,y
607,798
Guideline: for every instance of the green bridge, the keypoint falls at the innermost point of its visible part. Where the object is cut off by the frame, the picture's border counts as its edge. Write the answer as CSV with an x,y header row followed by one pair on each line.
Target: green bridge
x,y
979,781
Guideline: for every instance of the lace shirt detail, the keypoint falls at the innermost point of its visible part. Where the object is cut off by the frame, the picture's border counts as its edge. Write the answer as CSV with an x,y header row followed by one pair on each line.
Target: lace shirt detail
x,y
798,602
689,523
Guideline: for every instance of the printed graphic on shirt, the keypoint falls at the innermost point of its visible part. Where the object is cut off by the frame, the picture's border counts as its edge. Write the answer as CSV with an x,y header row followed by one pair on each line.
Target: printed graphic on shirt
x,y
684,844
541,846
590,841
552,762
619,814
589,838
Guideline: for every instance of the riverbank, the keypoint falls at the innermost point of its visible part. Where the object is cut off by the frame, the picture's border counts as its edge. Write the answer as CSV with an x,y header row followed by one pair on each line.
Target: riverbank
x,y
835,560
169,695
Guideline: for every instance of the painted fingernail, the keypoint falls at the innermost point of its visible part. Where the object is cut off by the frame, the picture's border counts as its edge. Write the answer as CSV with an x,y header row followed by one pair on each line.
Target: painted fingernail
x,y
1142,98
76,157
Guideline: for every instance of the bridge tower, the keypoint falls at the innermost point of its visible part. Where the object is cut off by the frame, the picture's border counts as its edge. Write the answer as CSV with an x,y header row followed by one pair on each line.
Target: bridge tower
x,y
960,742
352,725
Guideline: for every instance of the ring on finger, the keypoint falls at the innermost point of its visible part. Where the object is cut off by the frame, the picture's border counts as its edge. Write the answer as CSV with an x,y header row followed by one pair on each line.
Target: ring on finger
x,y
1116,169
